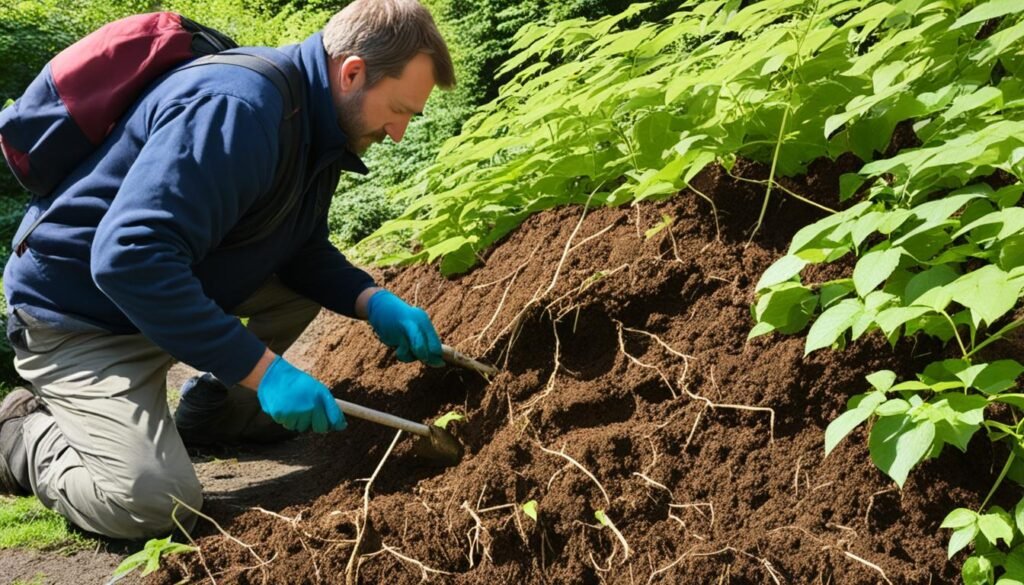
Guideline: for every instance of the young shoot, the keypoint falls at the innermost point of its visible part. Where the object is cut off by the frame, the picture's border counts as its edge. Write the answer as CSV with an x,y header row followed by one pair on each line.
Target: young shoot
x,y
447,418
530,509
605,521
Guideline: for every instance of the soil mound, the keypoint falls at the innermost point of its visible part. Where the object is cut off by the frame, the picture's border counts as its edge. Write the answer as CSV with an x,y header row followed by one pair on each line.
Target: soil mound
x,y
627,386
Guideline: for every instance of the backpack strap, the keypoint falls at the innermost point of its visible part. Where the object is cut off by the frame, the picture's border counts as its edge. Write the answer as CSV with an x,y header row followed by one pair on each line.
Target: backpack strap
x,y
273,207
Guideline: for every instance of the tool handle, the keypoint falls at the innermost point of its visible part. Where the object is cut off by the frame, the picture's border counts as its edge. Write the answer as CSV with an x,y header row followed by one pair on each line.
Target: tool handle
x,y
457,358
382,418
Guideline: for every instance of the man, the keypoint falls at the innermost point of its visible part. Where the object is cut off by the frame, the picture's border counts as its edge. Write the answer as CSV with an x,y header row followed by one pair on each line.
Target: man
x,y
111,289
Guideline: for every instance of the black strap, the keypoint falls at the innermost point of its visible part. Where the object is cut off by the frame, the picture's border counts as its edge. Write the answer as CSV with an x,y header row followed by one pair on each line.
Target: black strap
x,y
273,207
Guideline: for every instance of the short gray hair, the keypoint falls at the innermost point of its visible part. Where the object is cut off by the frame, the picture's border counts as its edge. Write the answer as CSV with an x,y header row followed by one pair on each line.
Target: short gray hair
x,y
387,34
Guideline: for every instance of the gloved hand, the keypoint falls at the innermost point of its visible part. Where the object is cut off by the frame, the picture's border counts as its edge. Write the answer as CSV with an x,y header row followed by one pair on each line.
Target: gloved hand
x,y
405,328
297,401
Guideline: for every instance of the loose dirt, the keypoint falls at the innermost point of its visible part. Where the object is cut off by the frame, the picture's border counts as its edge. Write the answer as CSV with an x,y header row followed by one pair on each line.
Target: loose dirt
x,y
628,385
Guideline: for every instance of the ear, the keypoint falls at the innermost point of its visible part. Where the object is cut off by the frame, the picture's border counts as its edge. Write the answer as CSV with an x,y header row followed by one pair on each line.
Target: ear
x,y
352,74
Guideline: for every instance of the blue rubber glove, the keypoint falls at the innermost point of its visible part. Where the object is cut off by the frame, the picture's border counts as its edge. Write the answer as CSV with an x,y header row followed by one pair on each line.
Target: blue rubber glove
x,y
297,401
405,328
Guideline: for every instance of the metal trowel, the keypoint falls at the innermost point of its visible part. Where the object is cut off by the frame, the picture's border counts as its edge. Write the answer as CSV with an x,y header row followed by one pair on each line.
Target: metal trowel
x,y
435,442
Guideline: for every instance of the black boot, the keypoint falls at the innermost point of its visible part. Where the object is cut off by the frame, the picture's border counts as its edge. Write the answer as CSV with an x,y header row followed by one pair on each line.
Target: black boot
x,y
13,455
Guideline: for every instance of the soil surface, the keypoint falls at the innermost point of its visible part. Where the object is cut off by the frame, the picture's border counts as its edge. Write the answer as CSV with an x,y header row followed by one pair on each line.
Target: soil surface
x,y
627,386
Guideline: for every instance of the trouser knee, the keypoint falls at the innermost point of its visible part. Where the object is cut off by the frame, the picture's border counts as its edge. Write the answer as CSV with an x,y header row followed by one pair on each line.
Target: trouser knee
x,y
158,504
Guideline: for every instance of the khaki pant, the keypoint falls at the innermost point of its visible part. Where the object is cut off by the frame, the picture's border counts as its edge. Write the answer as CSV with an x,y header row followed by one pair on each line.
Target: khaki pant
x,y
106,455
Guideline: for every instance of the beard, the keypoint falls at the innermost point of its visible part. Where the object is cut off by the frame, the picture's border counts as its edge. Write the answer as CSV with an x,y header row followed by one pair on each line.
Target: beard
x,y
353,124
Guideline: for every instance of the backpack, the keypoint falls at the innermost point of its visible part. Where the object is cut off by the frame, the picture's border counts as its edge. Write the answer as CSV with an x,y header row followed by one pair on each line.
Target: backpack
x,y
72,105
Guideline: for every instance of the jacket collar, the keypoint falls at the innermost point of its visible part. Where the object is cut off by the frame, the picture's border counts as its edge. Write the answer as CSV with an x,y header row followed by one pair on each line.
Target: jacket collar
x,y
326,136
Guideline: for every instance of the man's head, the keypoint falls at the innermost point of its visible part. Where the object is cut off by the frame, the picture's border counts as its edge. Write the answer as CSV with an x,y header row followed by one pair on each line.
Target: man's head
x,y
385,58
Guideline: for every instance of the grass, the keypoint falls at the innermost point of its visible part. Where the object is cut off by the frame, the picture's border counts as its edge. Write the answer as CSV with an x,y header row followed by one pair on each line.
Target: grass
x,y
26,524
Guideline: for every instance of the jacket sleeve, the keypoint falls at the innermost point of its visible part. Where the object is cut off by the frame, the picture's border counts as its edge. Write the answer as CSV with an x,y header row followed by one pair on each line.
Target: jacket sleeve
x,y
322,273
204,163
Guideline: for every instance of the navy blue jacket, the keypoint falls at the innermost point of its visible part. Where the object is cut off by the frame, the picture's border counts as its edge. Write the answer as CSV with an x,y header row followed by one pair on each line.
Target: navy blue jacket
x,y
130,243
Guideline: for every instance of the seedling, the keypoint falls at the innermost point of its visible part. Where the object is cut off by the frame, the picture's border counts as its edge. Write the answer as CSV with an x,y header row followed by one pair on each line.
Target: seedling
x,y
605,521
149,557
447,418
666,221
530,509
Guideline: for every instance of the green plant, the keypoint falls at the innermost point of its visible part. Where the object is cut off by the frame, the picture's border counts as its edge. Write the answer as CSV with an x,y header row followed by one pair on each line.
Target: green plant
x,y
447,419
936,235
611,111
149,557
530,509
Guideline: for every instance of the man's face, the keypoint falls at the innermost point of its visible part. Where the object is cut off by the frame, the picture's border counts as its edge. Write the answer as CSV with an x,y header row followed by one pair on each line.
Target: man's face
x,y
368,115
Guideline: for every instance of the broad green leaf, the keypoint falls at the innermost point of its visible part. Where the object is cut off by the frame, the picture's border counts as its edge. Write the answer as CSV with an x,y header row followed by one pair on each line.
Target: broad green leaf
x,y
892,407
851,419
988,10
832,292
781,270
882,380
892,319
666,221
992,378
996,526
959,518
961,538
977,570
832,323
602,517
1018,515
988,292
897,444
925,281
873,268
787,307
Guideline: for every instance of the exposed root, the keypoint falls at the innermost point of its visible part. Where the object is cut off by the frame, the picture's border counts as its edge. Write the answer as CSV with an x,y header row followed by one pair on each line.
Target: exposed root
x,y
871,502
352,568
622,348
868,564
622,539
294,523
261,563
425,571
763,562
540,294
512,280
713,405
581,468
652,482
475,536
669,566
698,507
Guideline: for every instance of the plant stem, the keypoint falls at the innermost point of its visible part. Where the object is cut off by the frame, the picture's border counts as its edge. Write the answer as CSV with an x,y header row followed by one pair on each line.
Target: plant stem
x,y
956,334
996,336
999,480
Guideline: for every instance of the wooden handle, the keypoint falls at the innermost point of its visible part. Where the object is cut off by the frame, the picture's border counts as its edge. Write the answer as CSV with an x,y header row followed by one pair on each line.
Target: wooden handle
x,y
382,418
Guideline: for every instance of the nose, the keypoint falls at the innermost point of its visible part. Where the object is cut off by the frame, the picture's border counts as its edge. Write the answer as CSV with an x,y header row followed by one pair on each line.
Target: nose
x,y
396,130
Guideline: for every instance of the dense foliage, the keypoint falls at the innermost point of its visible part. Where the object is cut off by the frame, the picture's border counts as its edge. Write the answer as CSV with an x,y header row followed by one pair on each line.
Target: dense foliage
x,y
608,112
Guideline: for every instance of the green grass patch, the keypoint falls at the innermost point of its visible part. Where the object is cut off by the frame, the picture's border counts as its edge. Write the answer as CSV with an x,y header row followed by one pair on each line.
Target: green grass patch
x,y
25,523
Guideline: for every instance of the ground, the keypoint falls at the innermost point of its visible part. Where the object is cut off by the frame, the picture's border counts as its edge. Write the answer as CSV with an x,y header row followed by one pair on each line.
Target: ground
x,y
658,443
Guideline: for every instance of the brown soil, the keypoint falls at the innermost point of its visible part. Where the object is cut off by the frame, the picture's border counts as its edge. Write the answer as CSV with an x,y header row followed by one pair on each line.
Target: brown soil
x,y
613,348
